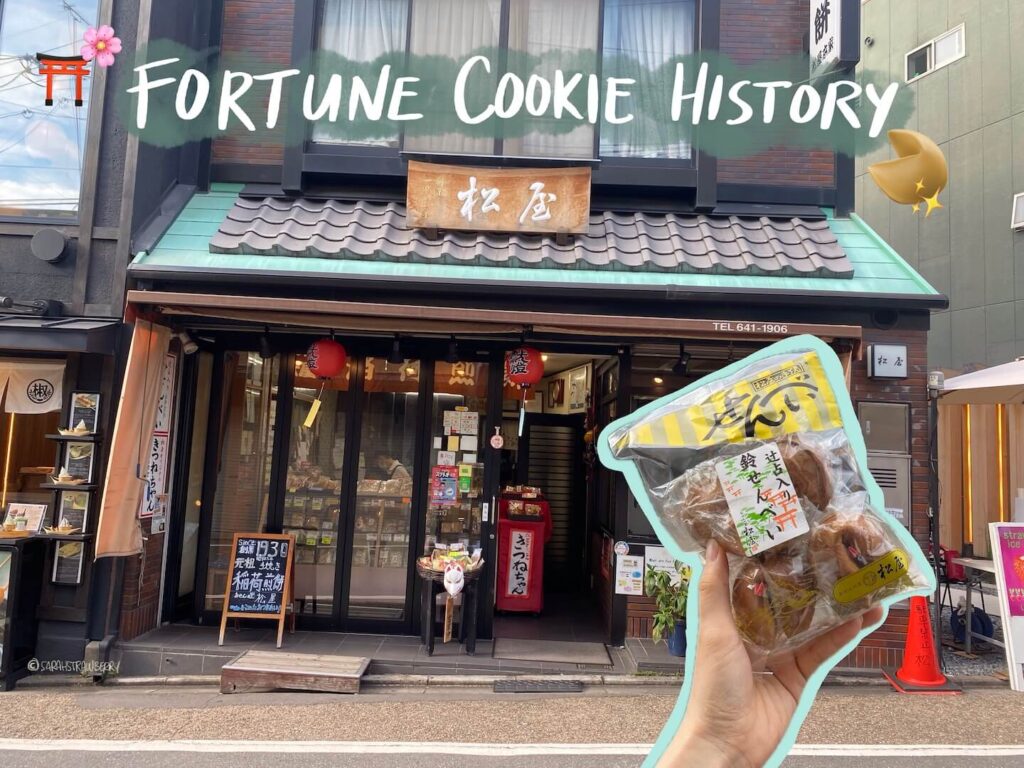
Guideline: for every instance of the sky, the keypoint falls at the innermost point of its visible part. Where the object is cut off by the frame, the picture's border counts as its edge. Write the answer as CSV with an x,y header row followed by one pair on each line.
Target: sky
x,y
41,147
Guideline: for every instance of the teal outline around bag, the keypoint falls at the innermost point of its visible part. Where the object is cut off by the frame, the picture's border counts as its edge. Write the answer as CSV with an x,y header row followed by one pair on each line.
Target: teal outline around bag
x,y
837,380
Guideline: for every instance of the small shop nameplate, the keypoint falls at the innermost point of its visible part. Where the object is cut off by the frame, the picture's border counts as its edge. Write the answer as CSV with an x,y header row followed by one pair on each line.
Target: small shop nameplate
x,y
456,197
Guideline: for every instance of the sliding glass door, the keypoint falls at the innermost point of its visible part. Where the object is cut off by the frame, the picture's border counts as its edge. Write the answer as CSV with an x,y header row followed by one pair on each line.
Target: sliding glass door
x,y
379,566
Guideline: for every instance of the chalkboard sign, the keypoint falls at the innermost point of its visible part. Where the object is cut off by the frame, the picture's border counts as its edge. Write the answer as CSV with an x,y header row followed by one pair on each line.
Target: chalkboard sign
x,y
259,579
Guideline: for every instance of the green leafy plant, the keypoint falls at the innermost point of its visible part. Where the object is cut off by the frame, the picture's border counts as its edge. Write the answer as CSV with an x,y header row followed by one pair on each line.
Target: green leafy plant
x,y
669,598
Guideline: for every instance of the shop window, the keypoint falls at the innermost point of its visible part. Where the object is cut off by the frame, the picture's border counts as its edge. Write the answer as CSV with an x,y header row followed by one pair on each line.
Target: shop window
x,y
244,453
936,53
27,456
640,37
41,146
383,511
455,494
312,502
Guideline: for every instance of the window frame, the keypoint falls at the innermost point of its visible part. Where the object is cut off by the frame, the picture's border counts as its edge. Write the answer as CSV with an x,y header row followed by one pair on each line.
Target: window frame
x,y
960,29
1017,223
309,163
57,218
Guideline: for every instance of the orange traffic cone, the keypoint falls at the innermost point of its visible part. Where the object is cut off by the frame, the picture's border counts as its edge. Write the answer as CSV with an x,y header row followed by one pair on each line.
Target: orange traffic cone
x,y
920,672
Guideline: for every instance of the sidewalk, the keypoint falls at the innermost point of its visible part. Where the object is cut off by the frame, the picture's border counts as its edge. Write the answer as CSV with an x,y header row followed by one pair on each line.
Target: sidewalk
x,y
182,649
186,652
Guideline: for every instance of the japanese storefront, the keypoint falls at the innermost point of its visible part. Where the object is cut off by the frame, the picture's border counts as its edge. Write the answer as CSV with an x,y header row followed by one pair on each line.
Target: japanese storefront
x,y
393,456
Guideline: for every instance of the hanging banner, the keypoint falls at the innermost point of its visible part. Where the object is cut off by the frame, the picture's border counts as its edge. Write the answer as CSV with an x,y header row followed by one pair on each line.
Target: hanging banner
x,y
33,387
154,493
1008,558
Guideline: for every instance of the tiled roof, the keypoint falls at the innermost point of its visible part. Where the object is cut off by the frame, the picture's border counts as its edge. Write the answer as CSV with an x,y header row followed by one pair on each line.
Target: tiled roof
x,y
662,242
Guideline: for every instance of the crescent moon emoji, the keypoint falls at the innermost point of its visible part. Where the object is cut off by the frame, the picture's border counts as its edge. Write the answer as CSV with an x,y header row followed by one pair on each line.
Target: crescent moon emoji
x,y
919,171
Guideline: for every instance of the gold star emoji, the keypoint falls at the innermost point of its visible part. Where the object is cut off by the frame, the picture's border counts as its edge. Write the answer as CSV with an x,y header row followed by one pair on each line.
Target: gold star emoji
x,y
933,203
916,207
920,186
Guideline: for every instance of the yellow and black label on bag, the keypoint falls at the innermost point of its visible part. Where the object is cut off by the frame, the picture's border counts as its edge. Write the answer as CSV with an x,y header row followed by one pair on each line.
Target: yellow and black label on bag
x,y
872,577
790,396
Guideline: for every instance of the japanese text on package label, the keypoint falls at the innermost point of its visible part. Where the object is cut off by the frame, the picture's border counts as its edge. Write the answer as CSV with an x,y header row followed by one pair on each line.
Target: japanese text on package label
x,y
761,498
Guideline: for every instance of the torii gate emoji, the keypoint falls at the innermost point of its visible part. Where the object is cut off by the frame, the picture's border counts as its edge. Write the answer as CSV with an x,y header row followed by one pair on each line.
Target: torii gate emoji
x,y
62,65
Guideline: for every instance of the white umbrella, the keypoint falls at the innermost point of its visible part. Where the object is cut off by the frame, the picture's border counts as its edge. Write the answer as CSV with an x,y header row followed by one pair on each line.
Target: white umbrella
x,y
990,386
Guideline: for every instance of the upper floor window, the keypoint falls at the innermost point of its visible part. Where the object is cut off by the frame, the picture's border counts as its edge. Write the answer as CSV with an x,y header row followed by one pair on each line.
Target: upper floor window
x,y
637,39
936,53
41,146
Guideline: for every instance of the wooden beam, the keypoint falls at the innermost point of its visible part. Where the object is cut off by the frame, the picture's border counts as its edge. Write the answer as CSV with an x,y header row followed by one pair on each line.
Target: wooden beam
x,y
539,322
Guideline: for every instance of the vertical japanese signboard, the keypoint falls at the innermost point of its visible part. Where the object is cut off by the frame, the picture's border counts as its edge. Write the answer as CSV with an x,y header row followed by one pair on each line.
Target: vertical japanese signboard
x,y
259,579
518,577
153,504
1008,558
834,35
454,197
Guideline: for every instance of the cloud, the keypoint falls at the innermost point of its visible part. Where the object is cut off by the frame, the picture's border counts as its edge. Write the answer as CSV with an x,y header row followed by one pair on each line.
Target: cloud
x,y
31,188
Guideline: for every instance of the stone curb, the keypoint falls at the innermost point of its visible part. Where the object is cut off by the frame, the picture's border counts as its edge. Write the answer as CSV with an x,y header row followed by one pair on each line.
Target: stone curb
x,y
412,680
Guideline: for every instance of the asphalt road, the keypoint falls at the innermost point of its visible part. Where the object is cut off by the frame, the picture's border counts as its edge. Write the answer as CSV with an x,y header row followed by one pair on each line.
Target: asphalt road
x,y
115,727
322,755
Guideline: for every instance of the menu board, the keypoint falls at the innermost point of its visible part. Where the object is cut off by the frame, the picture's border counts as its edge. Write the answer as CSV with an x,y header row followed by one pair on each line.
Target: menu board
x,y
85,408
68,562
259,579
1008,558
78,461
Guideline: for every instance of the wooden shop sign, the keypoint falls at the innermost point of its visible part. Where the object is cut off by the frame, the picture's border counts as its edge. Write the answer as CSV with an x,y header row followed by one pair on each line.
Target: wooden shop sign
x,y
458,197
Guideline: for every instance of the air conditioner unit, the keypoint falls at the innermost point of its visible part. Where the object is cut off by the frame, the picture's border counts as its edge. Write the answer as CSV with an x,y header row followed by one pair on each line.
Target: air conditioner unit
x,y
1017,224
892,473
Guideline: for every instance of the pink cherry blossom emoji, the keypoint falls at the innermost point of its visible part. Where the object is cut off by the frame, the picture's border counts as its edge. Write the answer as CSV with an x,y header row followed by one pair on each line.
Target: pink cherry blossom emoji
x,y
100,44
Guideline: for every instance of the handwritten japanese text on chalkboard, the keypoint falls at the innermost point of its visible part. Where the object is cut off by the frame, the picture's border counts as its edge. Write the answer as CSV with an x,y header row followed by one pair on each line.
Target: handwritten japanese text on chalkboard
x,y
258,579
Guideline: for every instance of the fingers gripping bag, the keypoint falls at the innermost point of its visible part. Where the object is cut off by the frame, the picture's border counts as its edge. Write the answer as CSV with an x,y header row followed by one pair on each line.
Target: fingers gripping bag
x,y
766,457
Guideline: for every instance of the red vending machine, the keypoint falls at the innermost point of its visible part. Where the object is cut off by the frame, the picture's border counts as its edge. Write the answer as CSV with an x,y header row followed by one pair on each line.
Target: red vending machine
x,y
524,526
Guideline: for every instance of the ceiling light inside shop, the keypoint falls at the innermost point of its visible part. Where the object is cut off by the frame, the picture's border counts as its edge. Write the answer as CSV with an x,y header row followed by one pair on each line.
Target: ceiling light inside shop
x,y
410,371
658,380
544,358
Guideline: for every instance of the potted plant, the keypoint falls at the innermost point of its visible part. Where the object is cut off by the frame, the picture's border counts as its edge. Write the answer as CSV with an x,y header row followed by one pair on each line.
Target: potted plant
x,y
669,591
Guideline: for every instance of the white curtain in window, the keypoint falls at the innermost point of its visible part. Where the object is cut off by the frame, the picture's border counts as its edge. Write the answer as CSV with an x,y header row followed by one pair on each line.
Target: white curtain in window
x,y
454,29
649,33
362,30
559,31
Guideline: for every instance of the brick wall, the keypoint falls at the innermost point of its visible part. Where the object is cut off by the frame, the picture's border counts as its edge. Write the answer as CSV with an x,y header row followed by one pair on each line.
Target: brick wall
x,y
140,598
884,647
260,32
761,30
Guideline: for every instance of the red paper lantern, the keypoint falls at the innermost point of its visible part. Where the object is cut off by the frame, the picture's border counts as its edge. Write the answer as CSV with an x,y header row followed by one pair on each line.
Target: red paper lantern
x,y
325,358
524,367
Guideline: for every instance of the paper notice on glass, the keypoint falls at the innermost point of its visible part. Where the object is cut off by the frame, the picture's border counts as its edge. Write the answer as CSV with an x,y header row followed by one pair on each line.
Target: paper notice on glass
x,y
659,559
469,458
446,457
453,443
438,443
469,423
469,442
451,421
629,575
